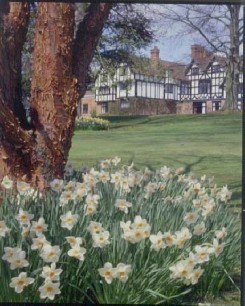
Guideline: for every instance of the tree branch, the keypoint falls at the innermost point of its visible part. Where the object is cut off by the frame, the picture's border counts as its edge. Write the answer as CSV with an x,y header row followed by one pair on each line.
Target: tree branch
x,y
87,37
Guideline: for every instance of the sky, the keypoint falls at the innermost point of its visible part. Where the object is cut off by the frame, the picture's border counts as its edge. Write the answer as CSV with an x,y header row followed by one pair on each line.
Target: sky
x,y
172,47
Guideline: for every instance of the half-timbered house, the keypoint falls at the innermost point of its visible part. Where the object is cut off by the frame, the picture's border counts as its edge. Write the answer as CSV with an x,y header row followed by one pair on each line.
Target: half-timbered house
x,y
155,86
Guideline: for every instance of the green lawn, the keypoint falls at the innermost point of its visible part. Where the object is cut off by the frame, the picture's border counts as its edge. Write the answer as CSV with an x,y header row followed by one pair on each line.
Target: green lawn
x,y
204,144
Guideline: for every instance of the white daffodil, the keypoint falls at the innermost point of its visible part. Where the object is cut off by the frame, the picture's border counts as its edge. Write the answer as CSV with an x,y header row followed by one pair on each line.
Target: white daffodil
x,y
50,253
124,184
123,205
92,199
104,164
50,272
191,260
24,217
81,190
121,272
95,227
18,260
217,248
104,177
68,220
221,233
77,252
39,242
168,238
182,236
20,282
195,275
224,195
39,226
74,241
101,239
71,186
90,209
108,272
3,229
157,241
116,178
181,269
65,197
116,160
56,185
139,223
191,217
202,253
7,183
199,229
25,230
9,253
23,187
49,290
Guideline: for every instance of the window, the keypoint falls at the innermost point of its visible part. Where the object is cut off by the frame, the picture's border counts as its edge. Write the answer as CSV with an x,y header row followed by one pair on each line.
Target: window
x,y
104,90
104,107
204,87
216,68
185,88
85,108
123,85
216,106
103,77
124,103
195,70
169,88
122,71
240,88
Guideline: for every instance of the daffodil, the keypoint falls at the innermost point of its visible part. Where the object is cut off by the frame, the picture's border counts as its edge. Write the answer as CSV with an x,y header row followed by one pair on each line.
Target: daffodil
x,y
49,290
68,220
50,272
20,282
108,272
77,252
39,226
24,217
50,253
3,229
121,272
7,183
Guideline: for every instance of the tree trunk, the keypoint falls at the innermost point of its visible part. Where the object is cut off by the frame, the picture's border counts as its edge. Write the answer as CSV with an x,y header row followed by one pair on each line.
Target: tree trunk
x,y
232,70
39,152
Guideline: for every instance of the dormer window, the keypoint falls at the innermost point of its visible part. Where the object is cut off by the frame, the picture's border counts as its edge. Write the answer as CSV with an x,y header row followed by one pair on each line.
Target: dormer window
x,y
195,70
216,68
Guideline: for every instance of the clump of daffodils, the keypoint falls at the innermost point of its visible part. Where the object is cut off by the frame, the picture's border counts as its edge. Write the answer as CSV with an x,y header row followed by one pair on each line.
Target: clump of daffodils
x,y
91,123
110,227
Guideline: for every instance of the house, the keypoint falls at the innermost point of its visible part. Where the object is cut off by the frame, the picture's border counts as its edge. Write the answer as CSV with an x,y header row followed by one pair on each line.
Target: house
x,y
206,81
146,86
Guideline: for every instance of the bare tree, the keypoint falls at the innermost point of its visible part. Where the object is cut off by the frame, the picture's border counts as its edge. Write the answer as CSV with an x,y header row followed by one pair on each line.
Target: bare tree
x,y
219,26
37,151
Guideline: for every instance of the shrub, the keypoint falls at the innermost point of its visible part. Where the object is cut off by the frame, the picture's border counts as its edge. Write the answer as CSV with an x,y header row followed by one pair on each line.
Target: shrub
x,y
120,236
91,123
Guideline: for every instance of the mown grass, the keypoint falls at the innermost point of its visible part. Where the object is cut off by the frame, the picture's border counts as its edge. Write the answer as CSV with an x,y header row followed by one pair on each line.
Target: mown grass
x,y
204,144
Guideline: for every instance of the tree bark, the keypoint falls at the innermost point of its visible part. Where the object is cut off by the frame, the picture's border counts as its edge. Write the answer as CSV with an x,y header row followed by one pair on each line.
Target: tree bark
x,y
232,70
39,152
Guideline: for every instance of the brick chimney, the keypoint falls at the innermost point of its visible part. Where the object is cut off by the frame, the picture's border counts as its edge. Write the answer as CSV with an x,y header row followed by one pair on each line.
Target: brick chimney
x,y
199,52
155,55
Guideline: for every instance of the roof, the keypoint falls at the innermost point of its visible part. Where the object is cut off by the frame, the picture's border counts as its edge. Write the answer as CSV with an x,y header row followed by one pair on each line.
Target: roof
x,y
145,66
204,63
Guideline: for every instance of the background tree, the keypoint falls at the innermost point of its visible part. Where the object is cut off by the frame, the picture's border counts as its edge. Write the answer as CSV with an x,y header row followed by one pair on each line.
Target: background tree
x,y
38,150
220,27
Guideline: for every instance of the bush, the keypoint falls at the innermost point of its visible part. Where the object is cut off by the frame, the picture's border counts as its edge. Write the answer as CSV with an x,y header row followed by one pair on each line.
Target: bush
x,y
91,123
120,236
